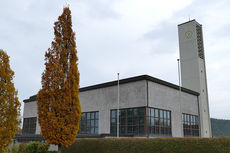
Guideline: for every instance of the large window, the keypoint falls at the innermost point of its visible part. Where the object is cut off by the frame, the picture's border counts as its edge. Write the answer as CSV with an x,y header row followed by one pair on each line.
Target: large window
x,y
190,125
89,123
132,121
159,121
141,121
29,125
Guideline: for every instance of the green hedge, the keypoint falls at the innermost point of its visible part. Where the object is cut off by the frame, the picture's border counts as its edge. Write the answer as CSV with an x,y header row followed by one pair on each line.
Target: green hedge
x,y
150,145
32,147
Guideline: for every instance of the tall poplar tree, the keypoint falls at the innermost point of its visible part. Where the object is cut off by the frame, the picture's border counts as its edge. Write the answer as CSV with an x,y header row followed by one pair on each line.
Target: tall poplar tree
x,y
59,109
9,103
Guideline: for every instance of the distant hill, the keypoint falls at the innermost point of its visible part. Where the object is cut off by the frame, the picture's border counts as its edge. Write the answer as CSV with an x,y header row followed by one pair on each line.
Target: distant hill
x,y
220,127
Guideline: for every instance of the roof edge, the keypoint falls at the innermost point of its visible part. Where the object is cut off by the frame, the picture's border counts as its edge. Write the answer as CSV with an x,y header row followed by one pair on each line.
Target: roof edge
x,y
127,80
189,21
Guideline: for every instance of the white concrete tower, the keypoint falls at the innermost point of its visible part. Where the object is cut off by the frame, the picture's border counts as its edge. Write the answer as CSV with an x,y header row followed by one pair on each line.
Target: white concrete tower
x,y
193,71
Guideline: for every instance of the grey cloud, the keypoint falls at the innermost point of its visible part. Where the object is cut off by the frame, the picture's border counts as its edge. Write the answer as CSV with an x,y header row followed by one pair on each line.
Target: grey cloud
x,y
101,9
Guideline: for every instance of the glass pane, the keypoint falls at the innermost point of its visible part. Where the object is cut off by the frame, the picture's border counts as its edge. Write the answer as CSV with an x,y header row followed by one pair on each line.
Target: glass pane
x,y
114,121
152,112
148,121
92,123
123,121
88,123
92,130
88,130
165,122
96,123
114,113
113,129
88,115
152,121
141,111
168,114
130,129
97,115
168,122
83,116
141,120
141,130
122,130
161,121
92,115
123,113
135,112
165,114
130,121
161,113
135,121
130,112
156,113
82,123
148,111
96,130
135,130
188,118
156,121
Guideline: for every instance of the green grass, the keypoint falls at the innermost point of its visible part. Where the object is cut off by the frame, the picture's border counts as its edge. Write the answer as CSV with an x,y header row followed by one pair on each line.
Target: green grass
x,y
150,145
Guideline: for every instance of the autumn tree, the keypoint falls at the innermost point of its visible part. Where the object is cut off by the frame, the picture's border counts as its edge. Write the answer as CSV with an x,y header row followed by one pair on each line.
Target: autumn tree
x,y
9,103
59,110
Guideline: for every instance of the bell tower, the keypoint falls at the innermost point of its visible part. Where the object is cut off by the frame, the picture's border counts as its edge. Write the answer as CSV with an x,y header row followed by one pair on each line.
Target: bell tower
x,y
193,70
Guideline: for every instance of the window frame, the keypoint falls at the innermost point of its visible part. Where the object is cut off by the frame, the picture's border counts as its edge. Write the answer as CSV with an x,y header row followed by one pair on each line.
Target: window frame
x,y
29,125
191,127
85,124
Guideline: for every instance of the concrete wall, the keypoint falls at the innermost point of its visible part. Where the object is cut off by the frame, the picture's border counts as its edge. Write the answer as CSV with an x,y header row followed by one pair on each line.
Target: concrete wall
x,y
193,71
132,94
30,110
163,97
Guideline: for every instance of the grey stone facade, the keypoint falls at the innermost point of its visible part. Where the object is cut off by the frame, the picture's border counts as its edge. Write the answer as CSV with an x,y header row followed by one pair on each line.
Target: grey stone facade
x,y
140,91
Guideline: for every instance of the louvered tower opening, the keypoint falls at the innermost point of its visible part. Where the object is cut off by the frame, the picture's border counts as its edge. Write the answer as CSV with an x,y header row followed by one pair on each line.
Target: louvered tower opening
x,y
200,41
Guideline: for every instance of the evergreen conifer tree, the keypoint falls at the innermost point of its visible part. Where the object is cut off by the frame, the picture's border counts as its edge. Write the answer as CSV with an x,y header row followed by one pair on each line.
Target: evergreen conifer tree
x,y
9,103
59,109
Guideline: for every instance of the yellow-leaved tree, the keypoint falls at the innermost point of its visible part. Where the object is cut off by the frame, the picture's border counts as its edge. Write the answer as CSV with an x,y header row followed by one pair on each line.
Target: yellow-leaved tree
x,y
9,103
59,109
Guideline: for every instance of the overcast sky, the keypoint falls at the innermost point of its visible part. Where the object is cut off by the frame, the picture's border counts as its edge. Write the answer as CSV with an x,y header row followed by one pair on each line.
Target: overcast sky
x,y
133,37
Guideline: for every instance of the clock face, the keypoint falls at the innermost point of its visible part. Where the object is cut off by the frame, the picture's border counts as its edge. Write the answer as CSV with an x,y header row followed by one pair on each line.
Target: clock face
x,y
188,34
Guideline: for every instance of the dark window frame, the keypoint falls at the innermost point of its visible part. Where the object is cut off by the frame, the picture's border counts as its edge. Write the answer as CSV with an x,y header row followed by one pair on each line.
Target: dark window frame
x,y
29,125
159,122
89,123
129,126
190,125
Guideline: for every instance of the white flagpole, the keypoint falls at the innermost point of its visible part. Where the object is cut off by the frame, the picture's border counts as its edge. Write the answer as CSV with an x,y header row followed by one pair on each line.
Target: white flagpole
x,y
118,98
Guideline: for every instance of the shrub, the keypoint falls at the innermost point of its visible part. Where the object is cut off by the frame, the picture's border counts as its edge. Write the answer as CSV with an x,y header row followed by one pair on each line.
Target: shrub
x,y
32,147
22,148
15,149
150,145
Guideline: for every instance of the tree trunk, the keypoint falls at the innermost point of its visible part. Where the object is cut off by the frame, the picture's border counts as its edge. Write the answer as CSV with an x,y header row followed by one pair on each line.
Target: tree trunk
x,y
59,148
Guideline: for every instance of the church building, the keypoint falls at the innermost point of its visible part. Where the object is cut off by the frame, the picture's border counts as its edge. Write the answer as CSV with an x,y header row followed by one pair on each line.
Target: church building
x,y
148,107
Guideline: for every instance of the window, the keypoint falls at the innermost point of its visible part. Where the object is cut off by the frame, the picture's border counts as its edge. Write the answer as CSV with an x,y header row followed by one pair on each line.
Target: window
x,y
159,121
190,125
89,123
132,121
29,125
